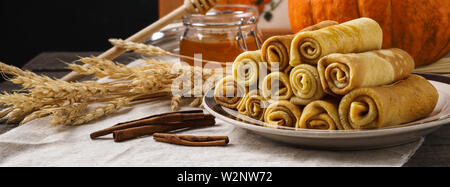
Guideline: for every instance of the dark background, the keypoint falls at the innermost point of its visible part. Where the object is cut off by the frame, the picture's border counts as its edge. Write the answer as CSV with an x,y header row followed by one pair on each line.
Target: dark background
x,y
28,28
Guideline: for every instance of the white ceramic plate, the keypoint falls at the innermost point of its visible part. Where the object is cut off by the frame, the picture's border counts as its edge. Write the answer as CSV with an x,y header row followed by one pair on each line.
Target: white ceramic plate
x,y
343,140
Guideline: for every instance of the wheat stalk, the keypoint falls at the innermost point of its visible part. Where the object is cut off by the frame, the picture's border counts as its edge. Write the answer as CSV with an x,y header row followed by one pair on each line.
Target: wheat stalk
x,y
87,70
197,102
152,50
66,115
5,112
139,48
38,114
44,87
107,67
20,105
68,103
107,109
175,104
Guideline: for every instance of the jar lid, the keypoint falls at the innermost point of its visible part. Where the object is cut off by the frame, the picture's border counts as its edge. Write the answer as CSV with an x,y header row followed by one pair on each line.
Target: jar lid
x,y
224,16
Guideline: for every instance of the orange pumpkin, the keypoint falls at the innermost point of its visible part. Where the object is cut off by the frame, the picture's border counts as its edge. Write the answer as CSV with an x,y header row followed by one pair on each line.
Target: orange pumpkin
x,y
259,3
420,27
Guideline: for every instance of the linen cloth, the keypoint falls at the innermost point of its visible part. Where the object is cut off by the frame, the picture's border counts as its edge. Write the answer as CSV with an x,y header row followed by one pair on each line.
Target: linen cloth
x,y
37,144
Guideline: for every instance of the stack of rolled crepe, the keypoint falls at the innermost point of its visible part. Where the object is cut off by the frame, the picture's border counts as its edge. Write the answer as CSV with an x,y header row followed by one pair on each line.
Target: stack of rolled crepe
x,y
339,74
378,91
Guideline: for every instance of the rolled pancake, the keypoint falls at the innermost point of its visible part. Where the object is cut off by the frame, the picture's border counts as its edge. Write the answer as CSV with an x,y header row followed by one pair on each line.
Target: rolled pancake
x,y
242,108
276,50
276,86
283,113
229,93
386,106
321,115
342,73
256,107
246,68
359,35
306,84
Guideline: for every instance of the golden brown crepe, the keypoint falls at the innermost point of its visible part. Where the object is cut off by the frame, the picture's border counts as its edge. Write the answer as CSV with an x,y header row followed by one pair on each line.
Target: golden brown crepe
x,y
386,106
359,35
276,50
256,107
276,86
320,25
246,68
342,73
283,113
229,93
321,115
306,85
242,108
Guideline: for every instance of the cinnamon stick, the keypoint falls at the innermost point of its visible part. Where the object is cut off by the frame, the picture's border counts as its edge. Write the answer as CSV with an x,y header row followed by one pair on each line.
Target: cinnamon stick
x,y
188,140
157,119
136,132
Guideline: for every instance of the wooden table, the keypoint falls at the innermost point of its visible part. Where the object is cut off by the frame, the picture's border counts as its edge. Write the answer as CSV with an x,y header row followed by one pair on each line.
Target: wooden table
x,y
435,152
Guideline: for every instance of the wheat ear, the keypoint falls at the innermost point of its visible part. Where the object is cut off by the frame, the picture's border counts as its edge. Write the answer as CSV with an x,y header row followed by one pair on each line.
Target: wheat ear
x,y
152,50
107,109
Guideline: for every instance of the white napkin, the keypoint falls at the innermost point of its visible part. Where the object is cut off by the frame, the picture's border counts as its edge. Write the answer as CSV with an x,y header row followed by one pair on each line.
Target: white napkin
x,y
37,143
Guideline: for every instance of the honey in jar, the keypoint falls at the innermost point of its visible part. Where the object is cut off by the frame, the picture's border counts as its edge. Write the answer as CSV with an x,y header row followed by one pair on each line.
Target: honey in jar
x,y
220,35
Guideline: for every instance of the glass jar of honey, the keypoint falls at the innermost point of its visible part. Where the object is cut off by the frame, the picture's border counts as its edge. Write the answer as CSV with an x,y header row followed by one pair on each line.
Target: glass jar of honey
x,y
222,34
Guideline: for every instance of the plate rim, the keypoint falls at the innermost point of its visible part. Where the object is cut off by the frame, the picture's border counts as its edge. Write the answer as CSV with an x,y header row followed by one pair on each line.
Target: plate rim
x,y
326,134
